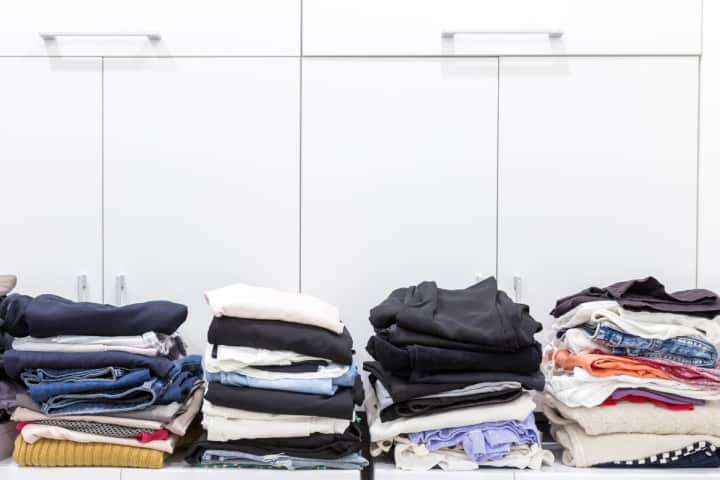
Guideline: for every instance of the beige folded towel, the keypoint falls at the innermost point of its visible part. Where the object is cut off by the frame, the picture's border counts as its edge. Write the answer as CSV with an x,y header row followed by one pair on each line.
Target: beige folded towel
x,y
627,417
7,283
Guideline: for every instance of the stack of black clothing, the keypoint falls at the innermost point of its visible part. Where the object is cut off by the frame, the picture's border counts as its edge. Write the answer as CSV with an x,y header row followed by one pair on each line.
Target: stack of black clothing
x,y
431,343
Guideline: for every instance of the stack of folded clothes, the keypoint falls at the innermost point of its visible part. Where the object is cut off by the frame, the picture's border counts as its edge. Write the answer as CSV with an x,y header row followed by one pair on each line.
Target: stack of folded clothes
x,y
8,387
106,385
450,380
282,385
633,378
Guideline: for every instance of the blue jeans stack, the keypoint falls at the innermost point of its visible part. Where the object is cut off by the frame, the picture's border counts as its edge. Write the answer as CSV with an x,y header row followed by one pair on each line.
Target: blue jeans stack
x,y
99,373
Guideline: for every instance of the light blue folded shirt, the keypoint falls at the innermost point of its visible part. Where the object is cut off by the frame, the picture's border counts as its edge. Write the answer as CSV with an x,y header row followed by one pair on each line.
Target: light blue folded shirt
x,y
318,386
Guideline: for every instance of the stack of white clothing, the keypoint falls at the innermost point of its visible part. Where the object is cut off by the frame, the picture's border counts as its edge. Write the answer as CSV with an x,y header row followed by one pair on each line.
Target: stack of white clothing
x,y
630,384
259,388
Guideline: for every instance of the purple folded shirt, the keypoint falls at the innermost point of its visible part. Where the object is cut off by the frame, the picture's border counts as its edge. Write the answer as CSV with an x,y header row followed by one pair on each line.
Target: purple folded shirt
x,y
482,442
669,398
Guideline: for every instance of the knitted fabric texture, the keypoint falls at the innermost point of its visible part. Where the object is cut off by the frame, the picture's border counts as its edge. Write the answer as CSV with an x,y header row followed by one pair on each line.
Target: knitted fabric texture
x,y
63,453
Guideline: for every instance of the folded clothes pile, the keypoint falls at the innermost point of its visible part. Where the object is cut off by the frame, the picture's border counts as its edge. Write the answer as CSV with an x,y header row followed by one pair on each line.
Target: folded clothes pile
x,y
450,380
105,385
8,387
633,378
282,385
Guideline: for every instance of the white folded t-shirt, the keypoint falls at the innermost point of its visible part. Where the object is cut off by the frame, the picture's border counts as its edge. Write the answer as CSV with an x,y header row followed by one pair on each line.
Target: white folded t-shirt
x,y
259,303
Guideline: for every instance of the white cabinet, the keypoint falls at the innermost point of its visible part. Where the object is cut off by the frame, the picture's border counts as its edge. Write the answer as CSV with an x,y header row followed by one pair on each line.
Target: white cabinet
x,y
201,178
709,207
398,178
597,176
50,174
150,28
501,27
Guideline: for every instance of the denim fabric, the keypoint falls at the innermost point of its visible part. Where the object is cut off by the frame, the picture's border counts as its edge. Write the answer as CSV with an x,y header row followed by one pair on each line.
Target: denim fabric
x,y
173,388
43,384
18,361
179,383
687,350
317,386
354,461
135,398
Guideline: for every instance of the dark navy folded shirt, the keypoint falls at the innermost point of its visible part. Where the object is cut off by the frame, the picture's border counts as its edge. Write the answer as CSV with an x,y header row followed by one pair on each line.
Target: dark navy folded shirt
x,y
50,315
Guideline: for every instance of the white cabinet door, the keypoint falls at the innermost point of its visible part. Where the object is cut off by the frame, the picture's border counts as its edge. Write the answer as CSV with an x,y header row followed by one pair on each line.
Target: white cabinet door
x,y
201,178
50,174
398,178
597,174
709,218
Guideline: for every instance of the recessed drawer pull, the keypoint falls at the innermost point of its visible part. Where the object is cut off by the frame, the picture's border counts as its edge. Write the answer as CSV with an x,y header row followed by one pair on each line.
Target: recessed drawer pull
x,y
51,36
550,33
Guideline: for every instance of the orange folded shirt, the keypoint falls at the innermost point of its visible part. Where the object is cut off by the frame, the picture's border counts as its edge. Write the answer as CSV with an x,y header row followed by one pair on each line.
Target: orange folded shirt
x,y
600,365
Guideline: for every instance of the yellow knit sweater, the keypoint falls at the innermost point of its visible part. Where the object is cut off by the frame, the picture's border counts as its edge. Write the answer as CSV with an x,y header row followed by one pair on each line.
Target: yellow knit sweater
x,y
63,453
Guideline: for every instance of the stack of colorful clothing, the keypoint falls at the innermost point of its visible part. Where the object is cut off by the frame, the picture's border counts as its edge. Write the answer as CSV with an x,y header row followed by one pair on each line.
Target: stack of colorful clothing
x,y
8,387
449,387
633,378
282,385
106,385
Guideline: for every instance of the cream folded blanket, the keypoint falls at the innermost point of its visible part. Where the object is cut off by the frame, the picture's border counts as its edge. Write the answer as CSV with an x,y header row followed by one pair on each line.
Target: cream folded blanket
x,y
245,301
628,417
583,450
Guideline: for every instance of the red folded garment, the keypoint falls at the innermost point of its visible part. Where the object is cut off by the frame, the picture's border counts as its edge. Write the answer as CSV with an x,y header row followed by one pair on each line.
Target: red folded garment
x,y
149,437
609,402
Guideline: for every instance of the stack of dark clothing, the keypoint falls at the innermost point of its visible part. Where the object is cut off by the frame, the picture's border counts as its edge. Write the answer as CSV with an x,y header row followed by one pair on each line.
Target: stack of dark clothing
x,y
446,359
8,387
106,385
282,384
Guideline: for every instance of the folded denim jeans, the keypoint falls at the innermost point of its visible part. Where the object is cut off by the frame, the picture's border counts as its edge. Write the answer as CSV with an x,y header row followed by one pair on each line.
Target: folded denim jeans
x,y
317,386
45,383
16,362
693,351
173,388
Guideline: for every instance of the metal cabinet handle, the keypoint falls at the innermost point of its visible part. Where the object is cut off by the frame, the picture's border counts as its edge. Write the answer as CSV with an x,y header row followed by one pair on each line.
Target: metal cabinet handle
x,y
82,288
546,31
517,288
50,36
120,289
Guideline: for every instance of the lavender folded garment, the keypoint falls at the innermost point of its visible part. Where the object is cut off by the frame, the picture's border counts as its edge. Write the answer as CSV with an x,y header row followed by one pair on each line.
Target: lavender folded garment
x,y
669,398
482,442
8,390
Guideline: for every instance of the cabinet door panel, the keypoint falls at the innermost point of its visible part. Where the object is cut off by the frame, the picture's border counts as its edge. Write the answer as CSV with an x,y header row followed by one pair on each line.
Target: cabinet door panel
x,y
50,152
201,178
597,174
399,178
709,222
